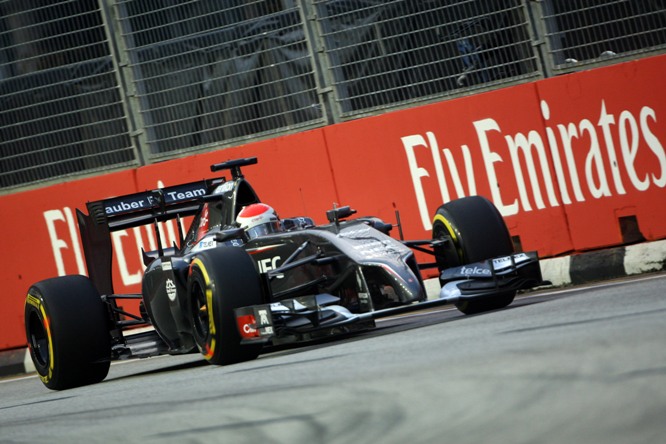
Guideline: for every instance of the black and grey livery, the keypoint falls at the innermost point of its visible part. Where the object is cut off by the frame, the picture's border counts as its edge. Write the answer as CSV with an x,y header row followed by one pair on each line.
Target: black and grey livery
x,y
228,296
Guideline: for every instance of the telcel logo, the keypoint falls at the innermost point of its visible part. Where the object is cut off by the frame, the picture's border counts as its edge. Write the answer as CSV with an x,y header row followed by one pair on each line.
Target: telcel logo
x,y
474,271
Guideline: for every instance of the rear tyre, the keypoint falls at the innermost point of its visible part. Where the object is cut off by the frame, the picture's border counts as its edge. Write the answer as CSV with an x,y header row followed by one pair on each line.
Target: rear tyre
x,y
222,279
67,329
478,232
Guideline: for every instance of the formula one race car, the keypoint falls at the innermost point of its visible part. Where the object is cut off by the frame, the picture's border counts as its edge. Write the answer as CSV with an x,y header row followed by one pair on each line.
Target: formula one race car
x,y
242,279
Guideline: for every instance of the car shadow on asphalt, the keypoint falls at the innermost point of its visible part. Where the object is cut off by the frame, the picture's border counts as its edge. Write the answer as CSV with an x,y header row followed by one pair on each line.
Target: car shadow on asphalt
x,y
387,326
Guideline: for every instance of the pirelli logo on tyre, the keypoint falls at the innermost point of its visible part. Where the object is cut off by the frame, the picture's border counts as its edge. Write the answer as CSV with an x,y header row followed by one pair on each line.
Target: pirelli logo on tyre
x,y
34,301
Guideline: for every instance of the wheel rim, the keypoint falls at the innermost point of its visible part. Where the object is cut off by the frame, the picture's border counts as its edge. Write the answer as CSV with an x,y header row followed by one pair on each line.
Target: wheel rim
x,y
443,228
200,310
39,341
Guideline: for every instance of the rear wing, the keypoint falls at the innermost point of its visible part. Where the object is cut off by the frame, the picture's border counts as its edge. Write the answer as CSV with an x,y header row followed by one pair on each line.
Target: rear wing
x,y
129,211
138,209
159,205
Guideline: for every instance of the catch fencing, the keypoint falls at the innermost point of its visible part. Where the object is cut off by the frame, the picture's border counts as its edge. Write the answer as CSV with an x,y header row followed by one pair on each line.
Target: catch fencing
x,y
61,103
98,85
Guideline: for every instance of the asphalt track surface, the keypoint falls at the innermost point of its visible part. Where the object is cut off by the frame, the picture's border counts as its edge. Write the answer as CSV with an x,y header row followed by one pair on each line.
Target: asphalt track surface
x,y
583,365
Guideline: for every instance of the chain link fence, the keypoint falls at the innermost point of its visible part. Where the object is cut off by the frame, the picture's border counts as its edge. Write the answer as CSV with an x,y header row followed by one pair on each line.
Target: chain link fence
x,y
581,33
215,72
381,54
61,110
92,85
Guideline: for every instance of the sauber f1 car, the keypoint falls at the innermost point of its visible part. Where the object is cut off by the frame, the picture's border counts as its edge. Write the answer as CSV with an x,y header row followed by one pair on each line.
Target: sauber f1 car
x,y
229,292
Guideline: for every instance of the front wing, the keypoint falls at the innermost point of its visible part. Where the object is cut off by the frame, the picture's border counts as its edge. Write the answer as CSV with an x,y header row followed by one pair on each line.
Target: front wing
x,y
310,317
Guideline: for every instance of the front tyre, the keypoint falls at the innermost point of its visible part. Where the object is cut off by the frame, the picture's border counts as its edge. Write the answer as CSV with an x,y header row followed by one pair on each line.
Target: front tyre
x,y
67,330
221,280
478,232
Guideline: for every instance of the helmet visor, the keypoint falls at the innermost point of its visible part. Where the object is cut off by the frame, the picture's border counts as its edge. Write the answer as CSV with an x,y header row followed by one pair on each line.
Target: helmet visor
x,y
263,229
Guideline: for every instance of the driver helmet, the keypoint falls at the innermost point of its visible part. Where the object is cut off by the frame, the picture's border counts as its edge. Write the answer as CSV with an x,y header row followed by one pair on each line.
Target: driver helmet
x,y
258,219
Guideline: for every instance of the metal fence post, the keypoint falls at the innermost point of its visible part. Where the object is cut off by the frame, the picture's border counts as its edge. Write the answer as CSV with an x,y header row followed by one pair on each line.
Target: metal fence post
x,y
123,64
533,11
119,60
332,81
320,63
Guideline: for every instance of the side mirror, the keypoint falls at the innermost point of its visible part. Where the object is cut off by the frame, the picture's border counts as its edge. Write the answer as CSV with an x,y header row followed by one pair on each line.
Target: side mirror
x,y
337,214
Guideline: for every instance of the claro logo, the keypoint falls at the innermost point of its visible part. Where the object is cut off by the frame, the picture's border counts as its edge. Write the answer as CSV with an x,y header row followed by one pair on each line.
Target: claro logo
x,y
607,169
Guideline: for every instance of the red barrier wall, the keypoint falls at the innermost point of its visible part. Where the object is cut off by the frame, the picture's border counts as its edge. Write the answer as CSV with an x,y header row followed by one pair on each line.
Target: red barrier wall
x,y
562,158
447,150
293,173
41,241
615,119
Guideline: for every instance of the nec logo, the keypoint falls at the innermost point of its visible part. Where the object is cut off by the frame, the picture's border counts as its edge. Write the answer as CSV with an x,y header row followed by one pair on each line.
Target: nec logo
x,y
268,264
